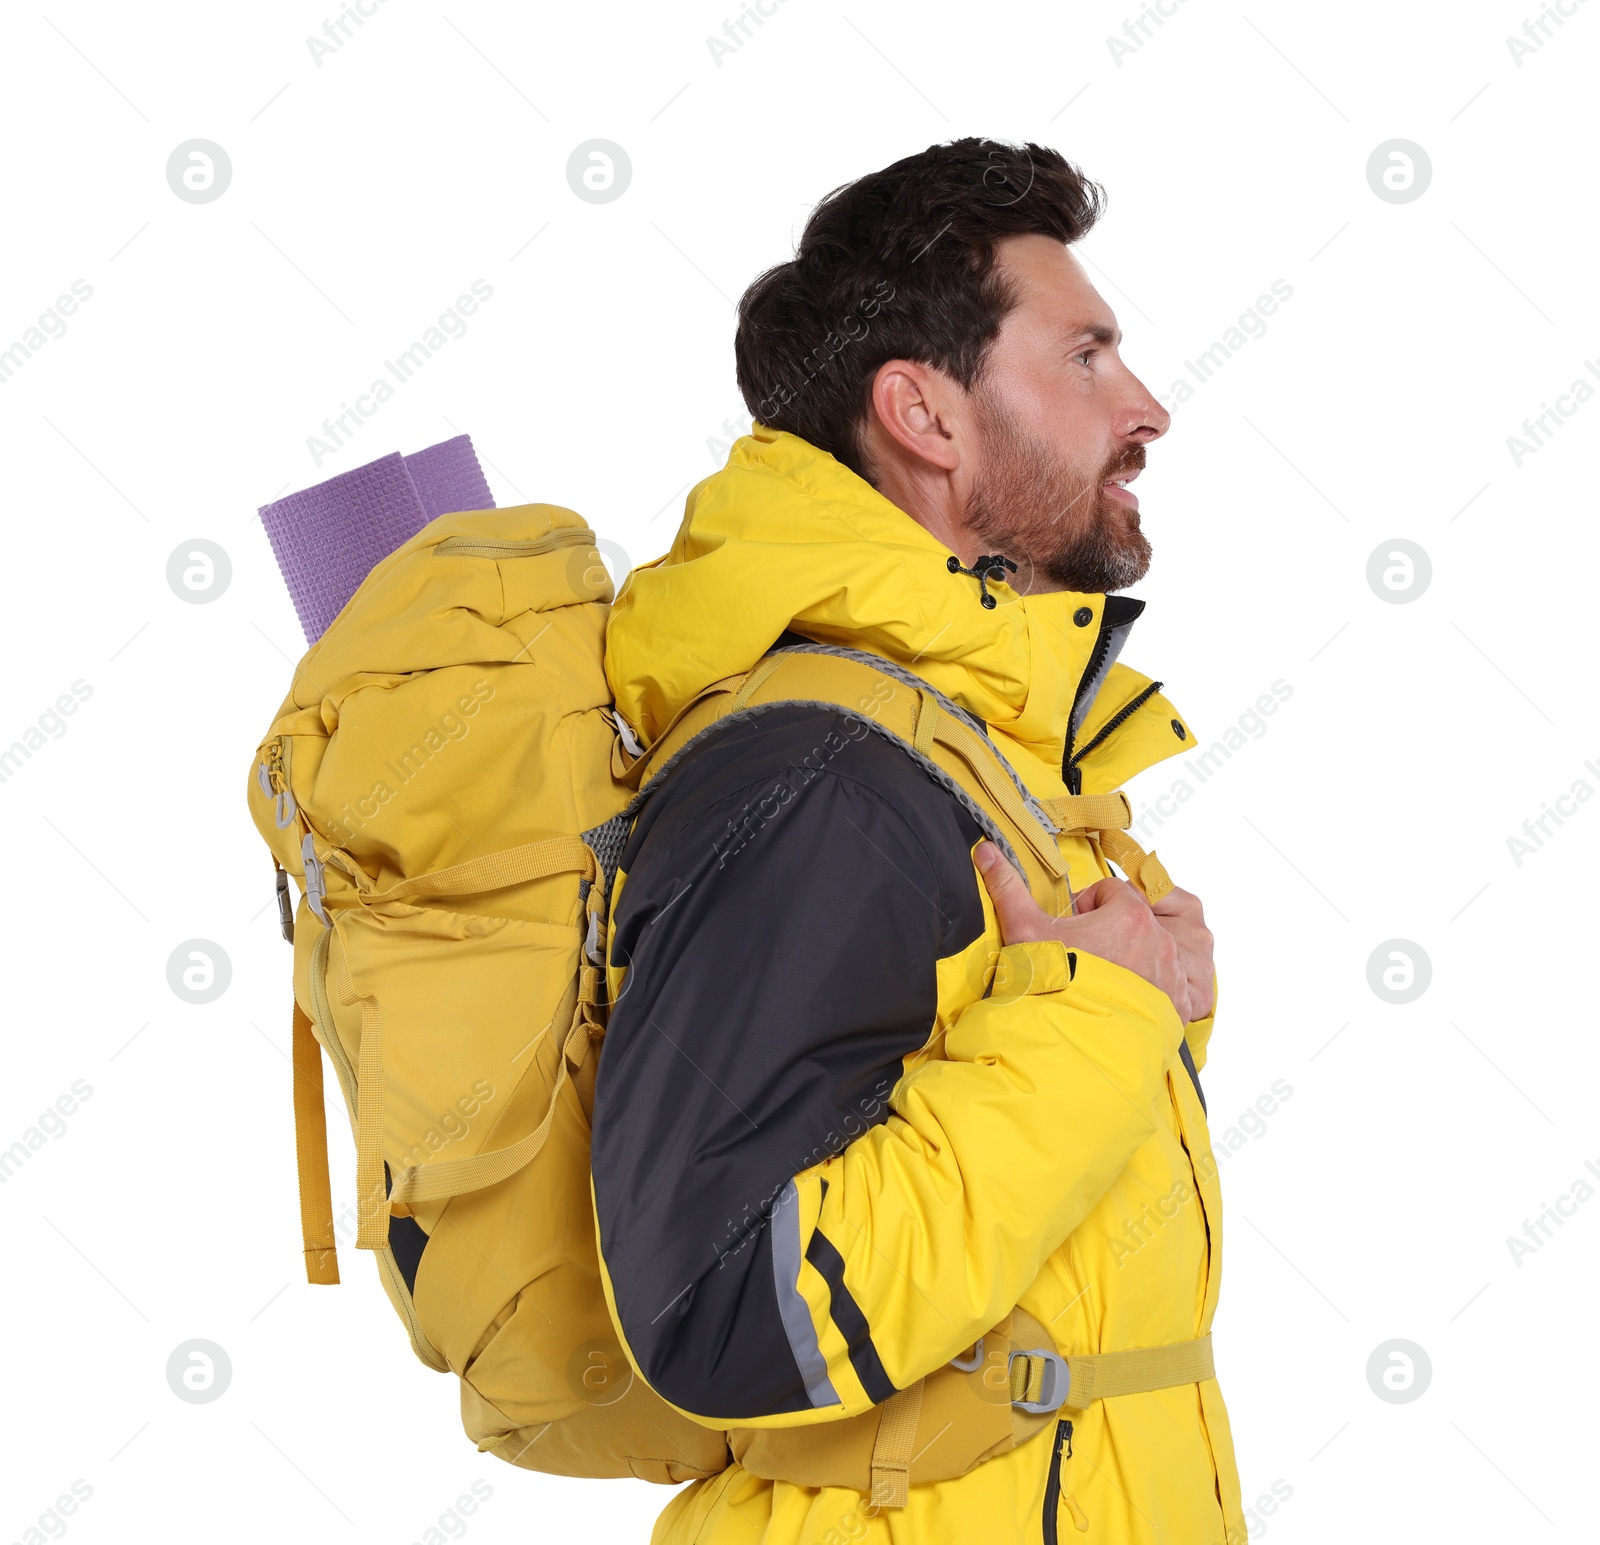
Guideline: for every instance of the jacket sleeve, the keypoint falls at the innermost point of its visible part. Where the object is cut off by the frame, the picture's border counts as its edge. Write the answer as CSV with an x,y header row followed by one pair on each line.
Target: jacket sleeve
x,y
1198,1032
791,1227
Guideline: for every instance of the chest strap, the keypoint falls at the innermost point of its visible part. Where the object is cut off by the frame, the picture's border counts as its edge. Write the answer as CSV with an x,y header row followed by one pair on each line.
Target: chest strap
x,y
1105,818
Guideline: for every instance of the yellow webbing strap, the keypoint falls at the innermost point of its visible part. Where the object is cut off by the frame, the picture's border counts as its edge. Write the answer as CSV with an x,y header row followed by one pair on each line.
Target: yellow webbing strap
x,y
981,758
495,871
1138,1369
747,687
453,1177
891,1449
927,723
1105,1375
1144,870
311,1155
1105,818
1027,1377
1079,814
372,1210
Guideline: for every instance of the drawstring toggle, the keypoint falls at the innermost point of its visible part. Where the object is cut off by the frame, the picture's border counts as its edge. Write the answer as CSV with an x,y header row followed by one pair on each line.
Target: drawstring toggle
x,y
984,568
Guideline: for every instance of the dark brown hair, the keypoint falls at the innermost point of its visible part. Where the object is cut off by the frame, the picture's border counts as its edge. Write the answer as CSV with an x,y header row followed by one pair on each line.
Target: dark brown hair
x,y
898,264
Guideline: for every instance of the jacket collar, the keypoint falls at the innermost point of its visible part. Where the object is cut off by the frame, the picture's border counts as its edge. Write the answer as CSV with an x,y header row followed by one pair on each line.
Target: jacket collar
x,y
785,537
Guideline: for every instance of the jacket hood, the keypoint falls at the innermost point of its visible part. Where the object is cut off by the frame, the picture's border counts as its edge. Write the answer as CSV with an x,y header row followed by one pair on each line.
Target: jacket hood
x,y
785,537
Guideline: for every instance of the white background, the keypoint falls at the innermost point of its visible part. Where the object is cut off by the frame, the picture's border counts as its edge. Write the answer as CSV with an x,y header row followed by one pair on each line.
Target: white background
x,y
1376,803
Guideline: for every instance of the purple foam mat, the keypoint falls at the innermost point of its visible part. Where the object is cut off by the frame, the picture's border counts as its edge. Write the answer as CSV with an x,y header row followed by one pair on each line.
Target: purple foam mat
x,y
448,478
329,537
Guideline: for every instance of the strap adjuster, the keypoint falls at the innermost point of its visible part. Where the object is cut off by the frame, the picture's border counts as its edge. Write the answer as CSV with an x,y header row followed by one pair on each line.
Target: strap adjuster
x,y
970,1364
630,742
285,905
316,885
1051,1387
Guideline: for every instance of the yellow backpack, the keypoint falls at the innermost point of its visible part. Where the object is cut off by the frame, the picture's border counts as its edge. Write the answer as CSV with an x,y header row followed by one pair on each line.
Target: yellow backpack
x,y
438,780
451,787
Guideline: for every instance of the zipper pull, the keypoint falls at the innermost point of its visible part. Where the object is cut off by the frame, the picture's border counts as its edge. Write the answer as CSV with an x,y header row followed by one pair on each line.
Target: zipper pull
x,y
275,784
1080,1519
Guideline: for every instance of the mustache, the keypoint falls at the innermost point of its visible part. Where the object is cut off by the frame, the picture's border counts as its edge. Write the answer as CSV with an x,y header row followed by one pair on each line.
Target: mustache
x,y
1126,465
1122,467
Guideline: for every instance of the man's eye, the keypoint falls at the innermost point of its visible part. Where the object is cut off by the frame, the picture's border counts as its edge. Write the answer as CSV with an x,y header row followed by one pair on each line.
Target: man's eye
x,y
1084,356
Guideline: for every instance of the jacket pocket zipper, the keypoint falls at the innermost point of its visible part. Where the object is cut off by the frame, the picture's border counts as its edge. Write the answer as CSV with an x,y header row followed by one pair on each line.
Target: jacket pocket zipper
x,y
495,547
1052,1486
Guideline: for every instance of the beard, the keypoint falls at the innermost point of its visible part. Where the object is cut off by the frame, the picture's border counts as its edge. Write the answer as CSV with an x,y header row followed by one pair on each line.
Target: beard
x,y
1052,515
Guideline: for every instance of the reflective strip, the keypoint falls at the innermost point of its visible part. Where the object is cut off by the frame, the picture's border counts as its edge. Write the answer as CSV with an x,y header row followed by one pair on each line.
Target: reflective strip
x,y
848,1319
793,1309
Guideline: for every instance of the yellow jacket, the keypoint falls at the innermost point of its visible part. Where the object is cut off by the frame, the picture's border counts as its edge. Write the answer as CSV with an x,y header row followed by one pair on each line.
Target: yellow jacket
x,y
1048,1149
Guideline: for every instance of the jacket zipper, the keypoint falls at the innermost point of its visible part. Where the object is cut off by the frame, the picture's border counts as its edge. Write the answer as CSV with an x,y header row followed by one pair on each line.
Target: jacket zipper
x,y
1070,775
497,547
1120,717
1052,1486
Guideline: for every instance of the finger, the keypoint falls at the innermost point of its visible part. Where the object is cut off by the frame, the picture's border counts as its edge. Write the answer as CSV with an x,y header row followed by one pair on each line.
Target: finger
x,y
1102,893
1176,903
1090,897
1176,982
1014,907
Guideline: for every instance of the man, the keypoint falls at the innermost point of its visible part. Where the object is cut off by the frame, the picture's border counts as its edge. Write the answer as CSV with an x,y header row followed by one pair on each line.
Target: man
x,y
828,1154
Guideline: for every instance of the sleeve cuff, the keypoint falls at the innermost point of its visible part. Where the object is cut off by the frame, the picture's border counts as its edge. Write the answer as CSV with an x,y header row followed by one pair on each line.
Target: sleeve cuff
x,y
1198,1032
1042,966
1038,966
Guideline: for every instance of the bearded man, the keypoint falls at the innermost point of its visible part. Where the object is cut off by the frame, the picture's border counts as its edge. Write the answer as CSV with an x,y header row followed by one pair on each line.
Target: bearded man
x,y
903,1178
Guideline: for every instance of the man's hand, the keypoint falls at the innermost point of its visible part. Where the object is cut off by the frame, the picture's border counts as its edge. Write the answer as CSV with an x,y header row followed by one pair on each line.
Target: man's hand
x,y
1179,912
1111,920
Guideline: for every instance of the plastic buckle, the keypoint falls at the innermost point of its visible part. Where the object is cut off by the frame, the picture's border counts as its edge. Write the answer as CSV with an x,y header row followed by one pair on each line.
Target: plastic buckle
x,y
1056,1372
972,1364
630,741
316,889
591,942
282,800
285,906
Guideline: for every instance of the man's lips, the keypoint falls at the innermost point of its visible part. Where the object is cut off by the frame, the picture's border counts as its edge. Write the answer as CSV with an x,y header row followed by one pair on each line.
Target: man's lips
x,y
1124,496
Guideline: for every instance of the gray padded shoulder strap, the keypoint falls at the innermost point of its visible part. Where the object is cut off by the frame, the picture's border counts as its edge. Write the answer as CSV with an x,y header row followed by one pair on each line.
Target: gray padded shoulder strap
x,y
950,706
608,839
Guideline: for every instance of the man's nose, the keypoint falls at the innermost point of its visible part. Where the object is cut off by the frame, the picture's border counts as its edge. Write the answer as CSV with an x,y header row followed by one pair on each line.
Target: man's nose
x,y
1142,419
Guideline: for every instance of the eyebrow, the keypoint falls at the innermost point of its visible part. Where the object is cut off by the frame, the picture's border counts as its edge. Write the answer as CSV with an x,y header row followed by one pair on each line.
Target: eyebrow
x,y
1097,331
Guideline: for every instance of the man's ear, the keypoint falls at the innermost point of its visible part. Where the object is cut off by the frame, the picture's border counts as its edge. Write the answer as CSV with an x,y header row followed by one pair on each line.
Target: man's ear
x,y
920,410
